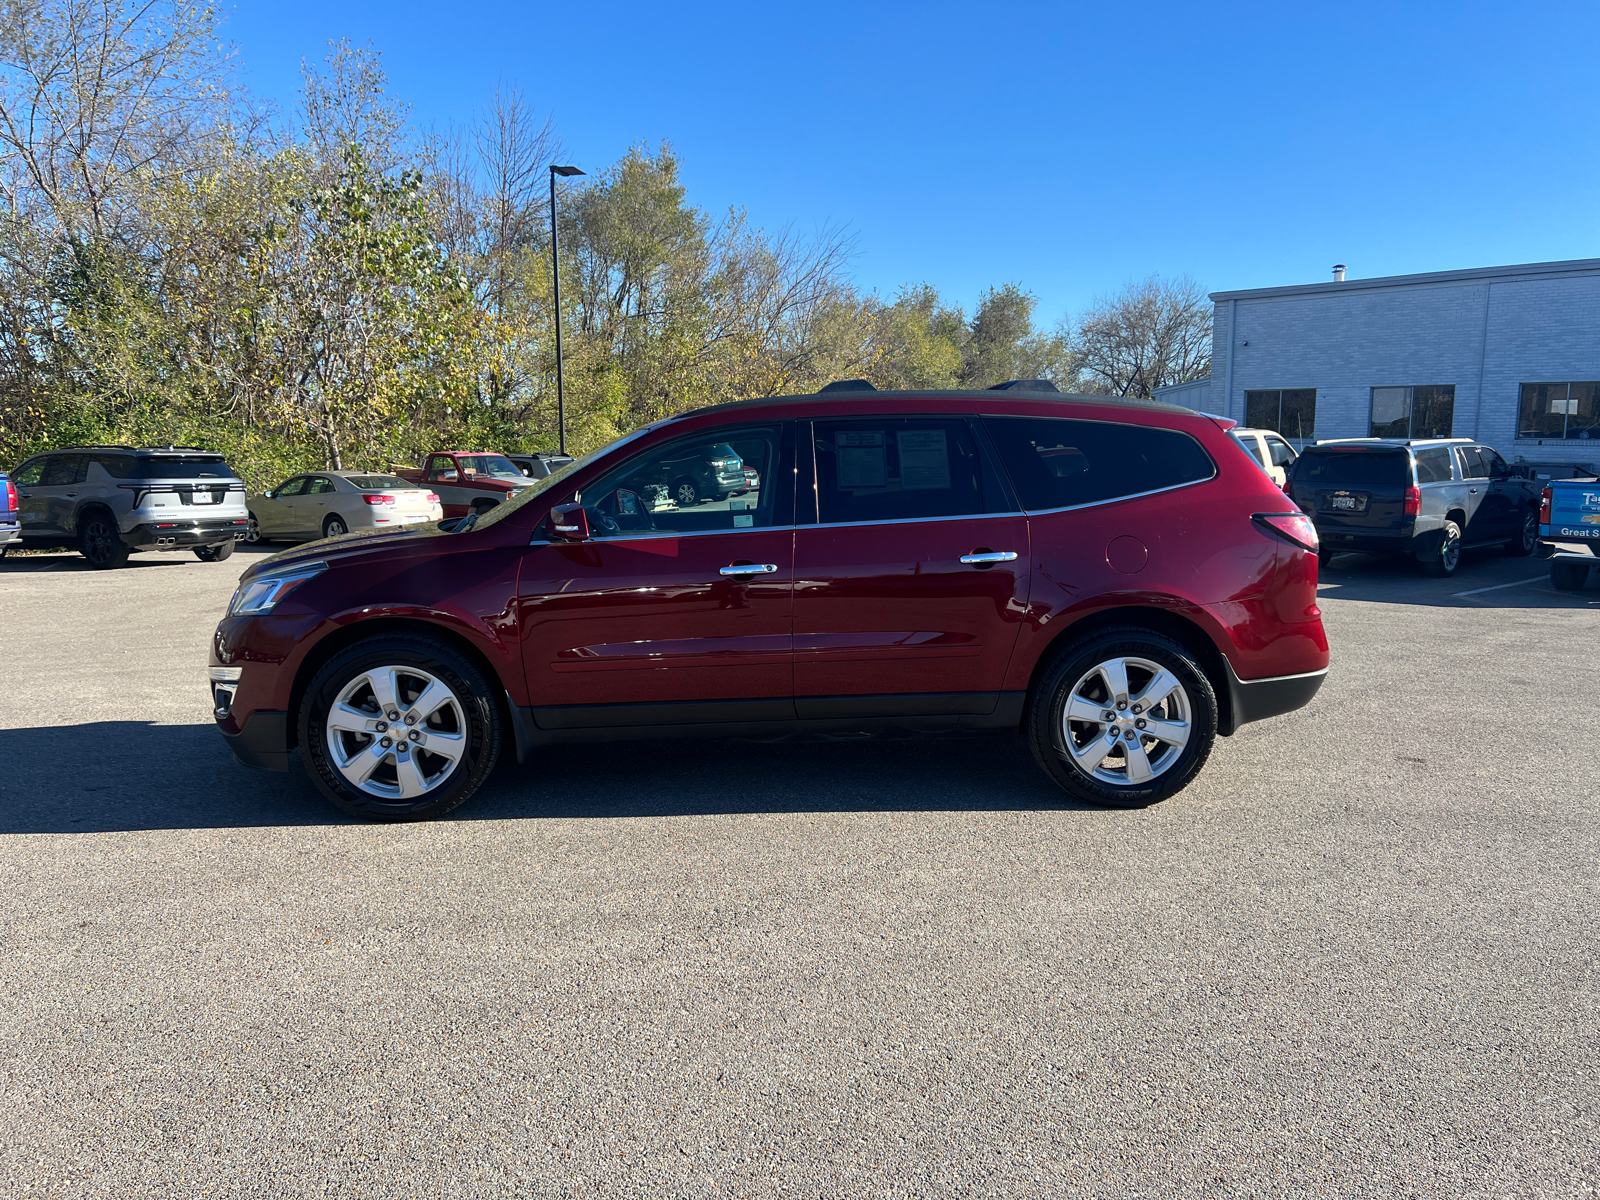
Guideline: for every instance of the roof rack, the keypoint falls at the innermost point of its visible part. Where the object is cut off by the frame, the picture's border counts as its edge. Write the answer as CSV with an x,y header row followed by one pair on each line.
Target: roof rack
x,y
846,385
1024,385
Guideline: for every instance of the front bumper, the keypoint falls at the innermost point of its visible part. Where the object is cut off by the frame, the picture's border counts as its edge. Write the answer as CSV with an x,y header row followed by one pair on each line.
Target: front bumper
x,y
172,535
262,741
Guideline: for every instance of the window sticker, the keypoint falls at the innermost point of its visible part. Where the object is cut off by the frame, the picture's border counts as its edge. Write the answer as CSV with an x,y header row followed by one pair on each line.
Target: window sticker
x,y
924,460
741,517
862,459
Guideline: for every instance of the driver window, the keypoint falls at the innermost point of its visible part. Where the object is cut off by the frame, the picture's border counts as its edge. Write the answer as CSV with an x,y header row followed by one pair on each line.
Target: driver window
x,y
721,480
293,488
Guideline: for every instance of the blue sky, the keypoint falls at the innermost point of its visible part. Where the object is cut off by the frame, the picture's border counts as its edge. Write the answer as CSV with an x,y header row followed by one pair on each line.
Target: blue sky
x,y
1067,147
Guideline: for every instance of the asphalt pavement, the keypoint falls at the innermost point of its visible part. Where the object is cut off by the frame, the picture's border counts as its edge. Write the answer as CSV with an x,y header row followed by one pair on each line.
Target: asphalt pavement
x,y
1356,958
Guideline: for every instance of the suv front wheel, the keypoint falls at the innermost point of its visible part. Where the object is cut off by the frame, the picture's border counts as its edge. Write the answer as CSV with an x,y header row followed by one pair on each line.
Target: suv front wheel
x,y
1124,718
399,728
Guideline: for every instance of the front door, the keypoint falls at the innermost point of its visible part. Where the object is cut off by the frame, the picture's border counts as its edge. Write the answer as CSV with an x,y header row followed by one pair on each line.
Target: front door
x,y
673,613
911,585
1486,519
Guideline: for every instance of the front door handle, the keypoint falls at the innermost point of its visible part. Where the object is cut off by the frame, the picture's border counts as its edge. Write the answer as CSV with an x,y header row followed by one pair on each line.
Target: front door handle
x,y
985,557
750,569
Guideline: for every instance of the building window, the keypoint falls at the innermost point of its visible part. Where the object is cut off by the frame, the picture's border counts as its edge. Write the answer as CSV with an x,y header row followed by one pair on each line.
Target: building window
x,y
1559,410
1425,411
1290,411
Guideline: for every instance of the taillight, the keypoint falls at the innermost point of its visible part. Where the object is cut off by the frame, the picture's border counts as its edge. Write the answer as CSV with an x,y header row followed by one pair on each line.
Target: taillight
x,y
1413,500
1544,505
1296,527
432,498
11,497
378,499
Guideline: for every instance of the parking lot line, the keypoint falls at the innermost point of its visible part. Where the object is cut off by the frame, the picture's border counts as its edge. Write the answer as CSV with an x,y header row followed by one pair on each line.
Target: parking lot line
x,y
1498,586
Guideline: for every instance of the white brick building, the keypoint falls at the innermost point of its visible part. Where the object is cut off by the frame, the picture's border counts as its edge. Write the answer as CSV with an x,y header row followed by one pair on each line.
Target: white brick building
x,y
1507,355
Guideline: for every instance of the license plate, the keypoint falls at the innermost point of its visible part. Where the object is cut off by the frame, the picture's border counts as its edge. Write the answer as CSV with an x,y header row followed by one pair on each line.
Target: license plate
x,y
1348,502
200,497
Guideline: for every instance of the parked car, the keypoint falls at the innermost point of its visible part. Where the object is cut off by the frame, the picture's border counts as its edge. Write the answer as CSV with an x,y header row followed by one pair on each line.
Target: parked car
x,y
1430,498
540,465
1112,579
10,525
1569,530
1269,449
331,503
695,473
111,500
467,481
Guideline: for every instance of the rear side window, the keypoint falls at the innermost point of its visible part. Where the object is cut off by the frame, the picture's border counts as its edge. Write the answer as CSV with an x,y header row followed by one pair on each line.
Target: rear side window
x,y
1282,453
1354,468
118,466
896,469
1056,463
1433,465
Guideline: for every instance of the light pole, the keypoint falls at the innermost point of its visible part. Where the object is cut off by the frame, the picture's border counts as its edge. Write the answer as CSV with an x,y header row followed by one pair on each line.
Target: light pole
x,y
555,270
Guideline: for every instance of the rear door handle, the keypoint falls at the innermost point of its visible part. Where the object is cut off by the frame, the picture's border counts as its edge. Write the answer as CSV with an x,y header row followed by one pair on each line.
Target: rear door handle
x,y
750,569
989,556
1472,491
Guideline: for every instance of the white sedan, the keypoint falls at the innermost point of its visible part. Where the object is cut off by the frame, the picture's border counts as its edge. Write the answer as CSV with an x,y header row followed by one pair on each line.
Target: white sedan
x,y
329,503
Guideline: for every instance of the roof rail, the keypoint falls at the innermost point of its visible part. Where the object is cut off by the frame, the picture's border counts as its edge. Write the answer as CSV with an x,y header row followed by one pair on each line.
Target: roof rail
x,y
846,385
1024,385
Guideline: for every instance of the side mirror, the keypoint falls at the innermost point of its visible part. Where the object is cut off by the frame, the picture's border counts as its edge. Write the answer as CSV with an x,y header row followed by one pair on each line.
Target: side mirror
x,y
569,523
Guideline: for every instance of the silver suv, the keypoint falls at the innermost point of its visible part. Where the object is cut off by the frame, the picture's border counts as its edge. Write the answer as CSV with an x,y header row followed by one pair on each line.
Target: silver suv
x,y
111,500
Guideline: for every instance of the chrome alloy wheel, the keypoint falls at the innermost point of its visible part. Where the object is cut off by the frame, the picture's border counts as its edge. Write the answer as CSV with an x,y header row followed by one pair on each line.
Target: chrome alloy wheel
x,y
1126,721
396,732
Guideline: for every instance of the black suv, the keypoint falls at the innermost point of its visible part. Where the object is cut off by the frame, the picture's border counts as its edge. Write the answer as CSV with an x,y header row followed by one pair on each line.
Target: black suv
x,y
1431,498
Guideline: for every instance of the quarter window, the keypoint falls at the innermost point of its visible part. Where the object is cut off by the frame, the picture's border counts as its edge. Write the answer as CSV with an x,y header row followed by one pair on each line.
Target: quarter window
x,y
1423,411
1059,463
896,469
1433,465
1289,411
1282,453
1559,410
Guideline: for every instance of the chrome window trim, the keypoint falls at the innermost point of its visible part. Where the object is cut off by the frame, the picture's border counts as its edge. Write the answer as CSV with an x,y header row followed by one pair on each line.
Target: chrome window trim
x,y
641,537
911,520
1041,512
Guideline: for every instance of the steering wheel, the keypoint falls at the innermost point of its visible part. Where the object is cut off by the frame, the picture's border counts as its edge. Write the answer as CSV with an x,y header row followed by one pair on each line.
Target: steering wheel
x,y
617,515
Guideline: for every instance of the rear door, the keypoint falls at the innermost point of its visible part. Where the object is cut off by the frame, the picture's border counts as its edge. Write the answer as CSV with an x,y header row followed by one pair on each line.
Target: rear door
x,y
672,614
910,572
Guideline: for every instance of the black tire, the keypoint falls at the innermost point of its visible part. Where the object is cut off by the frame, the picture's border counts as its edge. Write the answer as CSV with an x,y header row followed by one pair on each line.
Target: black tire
x,y
685,492
477,713
215,552
1568,576
1443,561
1527,537
100,542
1047,729
334,526
252,532
1324,557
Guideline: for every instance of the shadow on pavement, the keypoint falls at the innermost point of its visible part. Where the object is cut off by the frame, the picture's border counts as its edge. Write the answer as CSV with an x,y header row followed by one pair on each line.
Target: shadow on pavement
x,y
120,776
1485,579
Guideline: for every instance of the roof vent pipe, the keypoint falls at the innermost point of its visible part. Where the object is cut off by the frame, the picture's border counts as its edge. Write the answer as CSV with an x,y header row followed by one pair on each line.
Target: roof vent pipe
x,y
1338,272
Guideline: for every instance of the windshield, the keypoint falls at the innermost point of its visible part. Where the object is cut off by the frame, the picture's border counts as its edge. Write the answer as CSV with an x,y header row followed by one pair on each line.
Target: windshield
x,y
368,482
495,466
1360,468
529,494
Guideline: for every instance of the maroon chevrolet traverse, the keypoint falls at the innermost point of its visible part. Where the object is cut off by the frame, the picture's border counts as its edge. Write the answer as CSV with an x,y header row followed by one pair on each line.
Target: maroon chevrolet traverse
x,y
1114,580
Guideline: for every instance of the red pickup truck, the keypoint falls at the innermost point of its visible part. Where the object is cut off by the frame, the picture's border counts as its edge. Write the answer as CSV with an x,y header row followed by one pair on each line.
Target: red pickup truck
x,y
467,481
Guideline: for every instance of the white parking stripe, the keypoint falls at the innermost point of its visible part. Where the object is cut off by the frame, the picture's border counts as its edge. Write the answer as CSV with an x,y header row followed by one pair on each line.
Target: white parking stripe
x,y
1498,586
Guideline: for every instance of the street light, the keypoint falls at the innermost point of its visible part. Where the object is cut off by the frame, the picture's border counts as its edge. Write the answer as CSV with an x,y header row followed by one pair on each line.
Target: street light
x,y
555,267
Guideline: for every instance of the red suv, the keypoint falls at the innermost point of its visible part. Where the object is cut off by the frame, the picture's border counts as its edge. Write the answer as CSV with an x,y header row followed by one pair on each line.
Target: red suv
x,y
1115,580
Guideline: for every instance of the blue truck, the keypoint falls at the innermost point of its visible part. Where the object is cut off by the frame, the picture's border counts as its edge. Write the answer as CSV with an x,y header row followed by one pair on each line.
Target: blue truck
x,y
10,522
1569,530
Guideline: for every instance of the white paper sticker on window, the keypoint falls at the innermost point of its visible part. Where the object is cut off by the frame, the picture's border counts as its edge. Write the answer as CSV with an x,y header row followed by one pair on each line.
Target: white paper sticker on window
x,y
862,459
924,460
740,520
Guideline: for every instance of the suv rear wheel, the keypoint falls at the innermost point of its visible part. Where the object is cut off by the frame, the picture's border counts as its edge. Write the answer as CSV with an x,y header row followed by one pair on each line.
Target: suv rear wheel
x,y
1443,564
399,728
1124,718
100,542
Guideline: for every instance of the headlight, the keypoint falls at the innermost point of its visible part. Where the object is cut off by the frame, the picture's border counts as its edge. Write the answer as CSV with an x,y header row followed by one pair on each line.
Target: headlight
x,y
262,593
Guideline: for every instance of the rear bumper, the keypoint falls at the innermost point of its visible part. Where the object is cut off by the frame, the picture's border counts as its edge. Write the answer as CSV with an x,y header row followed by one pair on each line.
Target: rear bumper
x,y
1257,699
1370,541
1583,552
262,741
168,535
9,534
